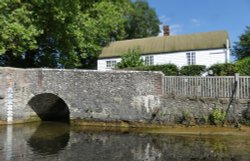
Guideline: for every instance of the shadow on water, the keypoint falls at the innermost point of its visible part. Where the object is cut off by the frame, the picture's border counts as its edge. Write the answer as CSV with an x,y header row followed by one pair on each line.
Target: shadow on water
x,y
49,138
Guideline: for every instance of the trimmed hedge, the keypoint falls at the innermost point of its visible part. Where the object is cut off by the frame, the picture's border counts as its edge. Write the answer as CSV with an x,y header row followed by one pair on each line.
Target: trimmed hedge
x,y
167,69
192,70
226,69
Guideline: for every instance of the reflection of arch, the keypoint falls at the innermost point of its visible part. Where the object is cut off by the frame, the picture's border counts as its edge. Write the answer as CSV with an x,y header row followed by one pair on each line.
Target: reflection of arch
x,y
50,107
49,138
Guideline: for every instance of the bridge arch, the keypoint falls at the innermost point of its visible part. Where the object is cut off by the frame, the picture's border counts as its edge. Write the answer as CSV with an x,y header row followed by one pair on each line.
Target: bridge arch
x,y
50,107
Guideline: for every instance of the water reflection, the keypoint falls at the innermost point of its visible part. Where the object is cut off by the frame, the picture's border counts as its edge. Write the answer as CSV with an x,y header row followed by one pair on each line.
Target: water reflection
x,y
49,138
58,141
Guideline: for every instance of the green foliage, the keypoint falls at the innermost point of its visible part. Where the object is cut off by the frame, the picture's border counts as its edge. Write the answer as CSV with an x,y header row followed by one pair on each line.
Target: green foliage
x,y
217,116
131,59
243,66
192,70
242,48
17,29
167,69
226,69
58,33
68,33
142,21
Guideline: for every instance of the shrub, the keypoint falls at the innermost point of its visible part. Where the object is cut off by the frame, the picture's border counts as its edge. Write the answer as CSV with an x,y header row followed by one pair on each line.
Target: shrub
x,y
243,66
131,59
217,116
167,69
226,69
193,70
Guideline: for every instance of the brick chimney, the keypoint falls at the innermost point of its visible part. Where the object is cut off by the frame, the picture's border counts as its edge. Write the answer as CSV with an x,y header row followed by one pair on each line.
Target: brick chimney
x,y
166,31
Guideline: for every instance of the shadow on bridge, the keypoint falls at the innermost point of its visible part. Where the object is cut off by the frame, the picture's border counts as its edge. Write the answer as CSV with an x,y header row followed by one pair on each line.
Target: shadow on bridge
x,y
50,107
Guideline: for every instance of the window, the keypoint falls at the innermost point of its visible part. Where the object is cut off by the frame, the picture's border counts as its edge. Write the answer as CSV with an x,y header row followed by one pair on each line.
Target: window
x,y
110,64
191,58
149,60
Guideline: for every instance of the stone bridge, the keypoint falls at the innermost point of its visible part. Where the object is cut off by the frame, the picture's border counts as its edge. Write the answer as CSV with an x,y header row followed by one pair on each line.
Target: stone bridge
x,y
100,97
64,95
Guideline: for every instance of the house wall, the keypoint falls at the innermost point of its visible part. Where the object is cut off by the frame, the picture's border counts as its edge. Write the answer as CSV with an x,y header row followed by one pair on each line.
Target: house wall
x,y
203,57
101,63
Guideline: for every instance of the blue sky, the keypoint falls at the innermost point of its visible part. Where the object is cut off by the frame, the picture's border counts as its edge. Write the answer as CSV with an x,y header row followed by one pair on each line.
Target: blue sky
x,y
190,16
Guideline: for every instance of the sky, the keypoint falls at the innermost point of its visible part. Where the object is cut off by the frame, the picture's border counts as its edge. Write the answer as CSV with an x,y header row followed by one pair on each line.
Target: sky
x,y
191,16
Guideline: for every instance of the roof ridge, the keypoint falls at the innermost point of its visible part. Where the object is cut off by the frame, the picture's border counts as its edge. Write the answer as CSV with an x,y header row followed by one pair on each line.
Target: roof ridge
x,y
195,33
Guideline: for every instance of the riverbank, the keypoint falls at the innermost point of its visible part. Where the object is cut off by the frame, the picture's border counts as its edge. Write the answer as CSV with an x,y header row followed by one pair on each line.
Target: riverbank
x,y
161,129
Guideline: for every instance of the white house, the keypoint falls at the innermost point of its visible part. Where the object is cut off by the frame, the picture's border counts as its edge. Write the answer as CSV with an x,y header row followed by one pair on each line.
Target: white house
x,y
200,48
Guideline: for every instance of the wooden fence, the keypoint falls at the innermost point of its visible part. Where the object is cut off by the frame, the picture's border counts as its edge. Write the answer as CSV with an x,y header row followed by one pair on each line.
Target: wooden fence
x,y
212,86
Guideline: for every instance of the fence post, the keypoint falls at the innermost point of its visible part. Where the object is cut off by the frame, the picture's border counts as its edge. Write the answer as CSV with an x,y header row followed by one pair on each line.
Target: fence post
x,y
237,89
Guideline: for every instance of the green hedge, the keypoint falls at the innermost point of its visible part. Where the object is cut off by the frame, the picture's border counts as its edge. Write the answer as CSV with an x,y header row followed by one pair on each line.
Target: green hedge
x,y
226,69
192,70
167,69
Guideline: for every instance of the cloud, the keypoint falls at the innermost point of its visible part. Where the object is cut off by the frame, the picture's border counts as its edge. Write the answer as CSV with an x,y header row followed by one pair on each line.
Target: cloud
x,y
175,29
161,30
164,19
195,22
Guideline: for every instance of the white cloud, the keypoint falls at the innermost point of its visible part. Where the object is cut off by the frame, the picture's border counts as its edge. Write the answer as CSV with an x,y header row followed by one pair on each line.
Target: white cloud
x,y
195,22
164,19
161,30
175,29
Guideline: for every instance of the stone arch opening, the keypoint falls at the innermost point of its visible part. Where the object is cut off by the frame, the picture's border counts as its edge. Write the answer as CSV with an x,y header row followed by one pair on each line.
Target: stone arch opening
x,y
50,107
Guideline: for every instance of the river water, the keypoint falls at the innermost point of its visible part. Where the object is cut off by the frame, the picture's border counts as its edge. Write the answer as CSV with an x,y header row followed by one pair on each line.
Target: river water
x,y
58,141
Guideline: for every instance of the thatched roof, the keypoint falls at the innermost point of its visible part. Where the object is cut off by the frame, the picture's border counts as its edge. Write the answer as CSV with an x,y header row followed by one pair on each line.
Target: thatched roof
x,y
168,44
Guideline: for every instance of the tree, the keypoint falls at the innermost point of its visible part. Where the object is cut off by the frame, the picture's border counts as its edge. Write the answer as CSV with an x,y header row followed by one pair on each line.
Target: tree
x,y
131,59
59,33
67,33
243,66
242,48
142,21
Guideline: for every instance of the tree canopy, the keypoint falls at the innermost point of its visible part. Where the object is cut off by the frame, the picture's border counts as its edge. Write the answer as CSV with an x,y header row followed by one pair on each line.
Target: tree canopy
x,y
60,33
142,21
242,48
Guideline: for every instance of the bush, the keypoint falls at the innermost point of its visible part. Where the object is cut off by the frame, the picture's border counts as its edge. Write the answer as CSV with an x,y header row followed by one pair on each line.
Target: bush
x,y
243,66
226,69
131,59
217,116
192,70
167,69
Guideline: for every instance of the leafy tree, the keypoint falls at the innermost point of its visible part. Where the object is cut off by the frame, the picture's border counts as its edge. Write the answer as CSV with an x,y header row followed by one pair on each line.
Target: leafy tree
x,y
243,66
226,69
142,21
17,30
58,33
242,48
67,33
131,59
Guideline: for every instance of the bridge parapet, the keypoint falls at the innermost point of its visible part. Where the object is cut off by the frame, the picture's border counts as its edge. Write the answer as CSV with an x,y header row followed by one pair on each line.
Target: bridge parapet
x,y
97,95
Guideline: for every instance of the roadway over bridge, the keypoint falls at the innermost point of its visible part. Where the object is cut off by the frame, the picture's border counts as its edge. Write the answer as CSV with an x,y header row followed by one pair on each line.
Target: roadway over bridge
x,y
62,95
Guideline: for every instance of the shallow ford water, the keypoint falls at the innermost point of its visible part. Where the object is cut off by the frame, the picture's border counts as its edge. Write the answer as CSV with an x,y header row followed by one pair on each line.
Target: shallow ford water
x,y
57,141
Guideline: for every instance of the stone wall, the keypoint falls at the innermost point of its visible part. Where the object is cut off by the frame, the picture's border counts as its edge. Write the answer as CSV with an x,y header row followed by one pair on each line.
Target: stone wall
x,y
111,96
89,95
